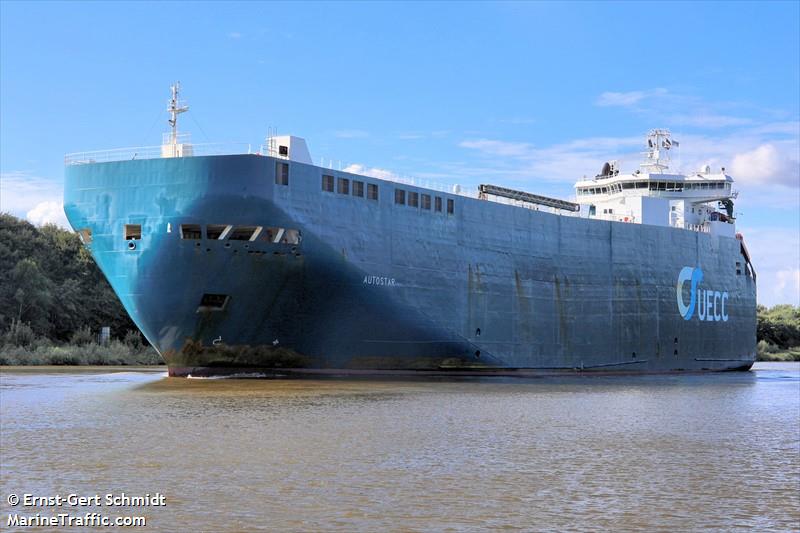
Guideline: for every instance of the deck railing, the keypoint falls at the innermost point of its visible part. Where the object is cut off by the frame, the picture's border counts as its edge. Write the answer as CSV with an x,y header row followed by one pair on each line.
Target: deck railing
x,y
156,152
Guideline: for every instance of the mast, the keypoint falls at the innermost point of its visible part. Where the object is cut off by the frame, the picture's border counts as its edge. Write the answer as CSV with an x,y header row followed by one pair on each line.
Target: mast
x,y
659,143
174,109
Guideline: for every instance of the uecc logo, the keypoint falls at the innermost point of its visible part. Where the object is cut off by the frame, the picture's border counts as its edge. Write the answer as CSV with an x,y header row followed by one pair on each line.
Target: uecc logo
x,y
710,304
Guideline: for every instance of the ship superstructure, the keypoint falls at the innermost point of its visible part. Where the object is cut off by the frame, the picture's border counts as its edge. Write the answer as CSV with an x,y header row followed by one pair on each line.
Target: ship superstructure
x,y
654,195
231,259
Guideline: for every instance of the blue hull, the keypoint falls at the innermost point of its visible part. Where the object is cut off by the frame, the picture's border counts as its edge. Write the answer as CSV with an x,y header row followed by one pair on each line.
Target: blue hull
x,y
373,285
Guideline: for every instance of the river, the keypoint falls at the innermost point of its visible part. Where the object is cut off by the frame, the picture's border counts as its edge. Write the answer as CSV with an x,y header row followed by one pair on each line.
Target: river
x,y
662,452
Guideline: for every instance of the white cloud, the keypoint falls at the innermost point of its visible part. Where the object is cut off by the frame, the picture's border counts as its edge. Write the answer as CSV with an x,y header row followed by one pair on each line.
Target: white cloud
x,y
373,172
235,35
627,99
351,134
788,285
620,99
51,212
21,191
767,164
775,253
499,148
565,162
710,120
661,106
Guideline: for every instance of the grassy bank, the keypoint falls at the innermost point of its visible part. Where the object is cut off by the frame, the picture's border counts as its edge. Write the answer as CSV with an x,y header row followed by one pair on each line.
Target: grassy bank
x,y
20,345
112,353
770,352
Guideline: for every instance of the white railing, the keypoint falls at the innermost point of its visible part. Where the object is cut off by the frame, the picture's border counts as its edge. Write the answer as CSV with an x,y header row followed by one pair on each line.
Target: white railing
x,y
155,152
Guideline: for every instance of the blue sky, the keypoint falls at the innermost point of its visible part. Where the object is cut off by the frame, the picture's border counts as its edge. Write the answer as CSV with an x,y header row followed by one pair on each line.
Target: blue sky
x,y
530,95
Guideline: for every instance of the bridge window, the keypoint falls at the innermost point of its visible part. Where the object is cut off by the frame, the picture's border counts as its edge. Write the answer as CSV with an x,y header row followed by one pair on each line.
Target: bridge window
x,y
426,201
641,184
399,196
282,173
413,199
358,188
133,232
372,191
628,185
450,206
438,204
191,231
327,183
343,186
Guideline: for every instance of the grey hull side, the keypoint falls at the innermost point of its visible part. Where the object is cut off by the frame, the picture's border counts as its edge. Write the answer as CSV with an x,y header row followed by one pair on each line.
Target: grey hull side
x,y
384,287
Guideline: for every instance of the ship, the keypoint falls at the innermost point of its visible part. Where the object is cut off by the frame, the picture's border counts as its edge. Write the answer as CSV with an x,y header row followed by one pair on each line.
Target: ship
x,y
235,259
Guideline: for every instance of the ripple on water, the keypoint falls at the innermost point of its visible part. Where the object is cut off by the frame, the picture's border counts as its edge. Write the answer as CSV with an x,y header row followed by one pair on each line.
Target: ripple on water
x,y
688,452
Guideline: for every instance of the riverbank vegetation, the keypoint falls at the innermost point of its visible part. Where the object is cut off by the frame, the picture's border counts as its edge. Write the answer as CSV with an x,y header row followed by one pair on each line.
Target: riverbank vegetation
x,y
54,302
778,333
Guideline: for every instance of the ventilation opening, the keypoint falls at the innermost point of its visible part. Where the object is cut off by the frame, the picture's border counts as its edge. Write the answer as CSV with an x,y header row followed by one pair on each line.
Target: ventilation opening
x,y
133,232
283,150
478,332
213,302
217,231
191,231
245,233
477,354
633,355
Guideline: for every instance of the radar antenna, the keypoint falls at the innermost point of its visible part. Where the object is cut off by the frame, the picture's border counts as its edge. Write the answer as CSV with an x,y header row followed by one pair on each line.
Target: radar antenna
x,y
659,143
174,109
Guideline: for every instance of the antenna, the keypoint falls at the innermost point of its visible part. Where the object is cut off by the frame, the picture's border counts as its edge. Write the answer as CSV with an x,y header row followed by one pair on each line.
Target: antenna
x,y
659,143
174,110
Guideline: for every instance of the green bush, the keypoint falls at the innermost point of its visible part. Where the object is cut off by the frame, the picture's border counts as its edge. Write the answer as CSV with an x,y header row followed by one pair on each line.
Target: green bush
x,y
19,334
82,337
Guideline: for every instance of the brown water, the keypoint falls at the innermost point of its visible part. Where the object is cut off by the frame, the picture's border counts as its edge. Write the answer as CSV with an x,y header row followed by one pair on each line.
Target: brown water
x,y
670,453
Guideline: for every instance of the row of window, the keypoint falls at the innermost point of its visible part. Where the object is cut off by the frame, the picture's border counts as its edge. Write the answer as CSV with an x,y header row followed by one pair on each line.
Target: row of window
x,y
668,186
422,200
343,187
356,188
222,232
